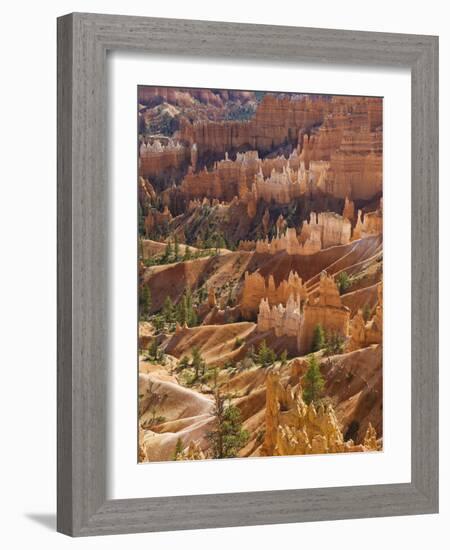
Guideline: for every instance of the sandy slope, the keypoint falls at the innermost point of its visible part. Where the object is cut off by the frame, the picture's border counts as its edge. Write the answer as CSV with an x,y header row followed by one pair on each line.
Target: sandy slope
x,y
353,381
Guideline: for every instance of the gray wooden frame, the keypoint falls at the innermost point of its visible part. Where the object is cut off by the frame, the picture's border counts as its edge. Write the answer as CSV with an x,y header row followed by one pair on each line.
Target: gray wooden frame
x,y
83,41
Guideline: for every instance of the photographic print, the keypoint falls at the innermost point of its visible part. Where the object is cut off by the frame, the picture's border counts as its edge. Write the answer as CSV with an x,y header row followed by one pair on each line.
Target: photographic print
x,y
260,267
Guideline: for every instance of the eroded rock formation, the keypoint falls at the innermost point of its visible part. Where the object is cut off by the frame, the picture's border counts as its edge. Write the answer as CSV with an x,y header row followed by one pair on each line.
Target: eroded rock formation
x,y
256,289
276,120
155,218
295,428
327,311
332,229
294,320
156,157
364,333
370,224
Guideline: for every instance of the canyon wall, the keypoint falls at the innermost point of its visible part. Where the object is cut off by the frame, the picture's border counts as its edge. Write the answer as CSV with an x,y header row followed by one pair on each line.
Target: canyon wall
x,y
327,311
155,157
365,333
294,320
276,121
256,289
350,138
323,230
370,224
155,219
284,321
331,228
295,428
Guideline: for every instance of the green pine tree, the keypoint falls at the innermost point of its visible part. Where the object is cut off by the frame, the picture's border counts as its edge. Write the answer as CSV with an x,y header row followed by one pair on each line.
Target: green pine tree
x,y
228,436
318,341
313,381
145,303
168,252
366,311
265,356
176,248
187,254
184,363
198,363
343,282
154,351
334,343
168,310
177,454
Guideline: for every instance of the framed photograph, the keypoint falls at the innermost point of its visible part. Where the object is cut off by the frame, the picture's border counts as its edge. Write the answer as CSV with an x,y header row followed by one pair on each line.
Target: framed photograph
x,y
247,274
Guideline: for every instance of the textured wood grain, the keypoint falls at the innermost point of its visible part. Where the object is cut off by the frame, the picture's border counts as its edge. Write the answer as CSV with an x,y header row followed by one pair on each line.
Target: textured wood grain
x,y
83,199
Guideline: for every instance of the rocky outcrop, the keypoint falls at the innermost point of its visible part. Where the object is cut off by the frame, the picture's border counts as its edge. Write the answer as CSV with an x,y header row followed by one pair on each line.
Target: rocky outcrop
x,y
332,229
192,452
155,218
211,297
349,209
287,242
323,230
327,311
370,224
351,140
146,192
284,321
365,333
256,289
155,157
276,121
295,428
300,322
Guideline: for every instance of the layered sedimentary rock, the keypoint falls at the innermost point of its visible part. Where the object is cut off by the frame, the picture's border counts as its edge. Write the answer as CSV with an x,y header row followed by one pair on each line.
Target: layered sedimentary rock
x,y
294,320
327,311
349,209
186,96
224,180
284,321
331,228
295,428
276,121
351,140
323,230
155,218
146,192
370,224
287,242
251,178
256,289
155,157
362,333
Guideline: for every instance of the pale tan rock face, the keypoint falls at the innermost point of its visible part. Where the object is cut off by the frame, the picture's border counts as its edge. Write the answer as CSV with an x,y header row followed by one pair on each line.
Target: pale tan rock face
x,y
363,334
295,428
292,320
370,224
256,289
349,209
327,311
351,140
276,120
332,229
155,158
285,321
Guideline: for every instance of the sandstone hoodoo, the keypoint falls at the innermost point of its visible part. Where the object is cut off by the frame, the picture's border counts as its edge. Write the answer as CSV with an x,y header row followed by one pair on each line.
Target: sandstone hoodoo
x,y
260,274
